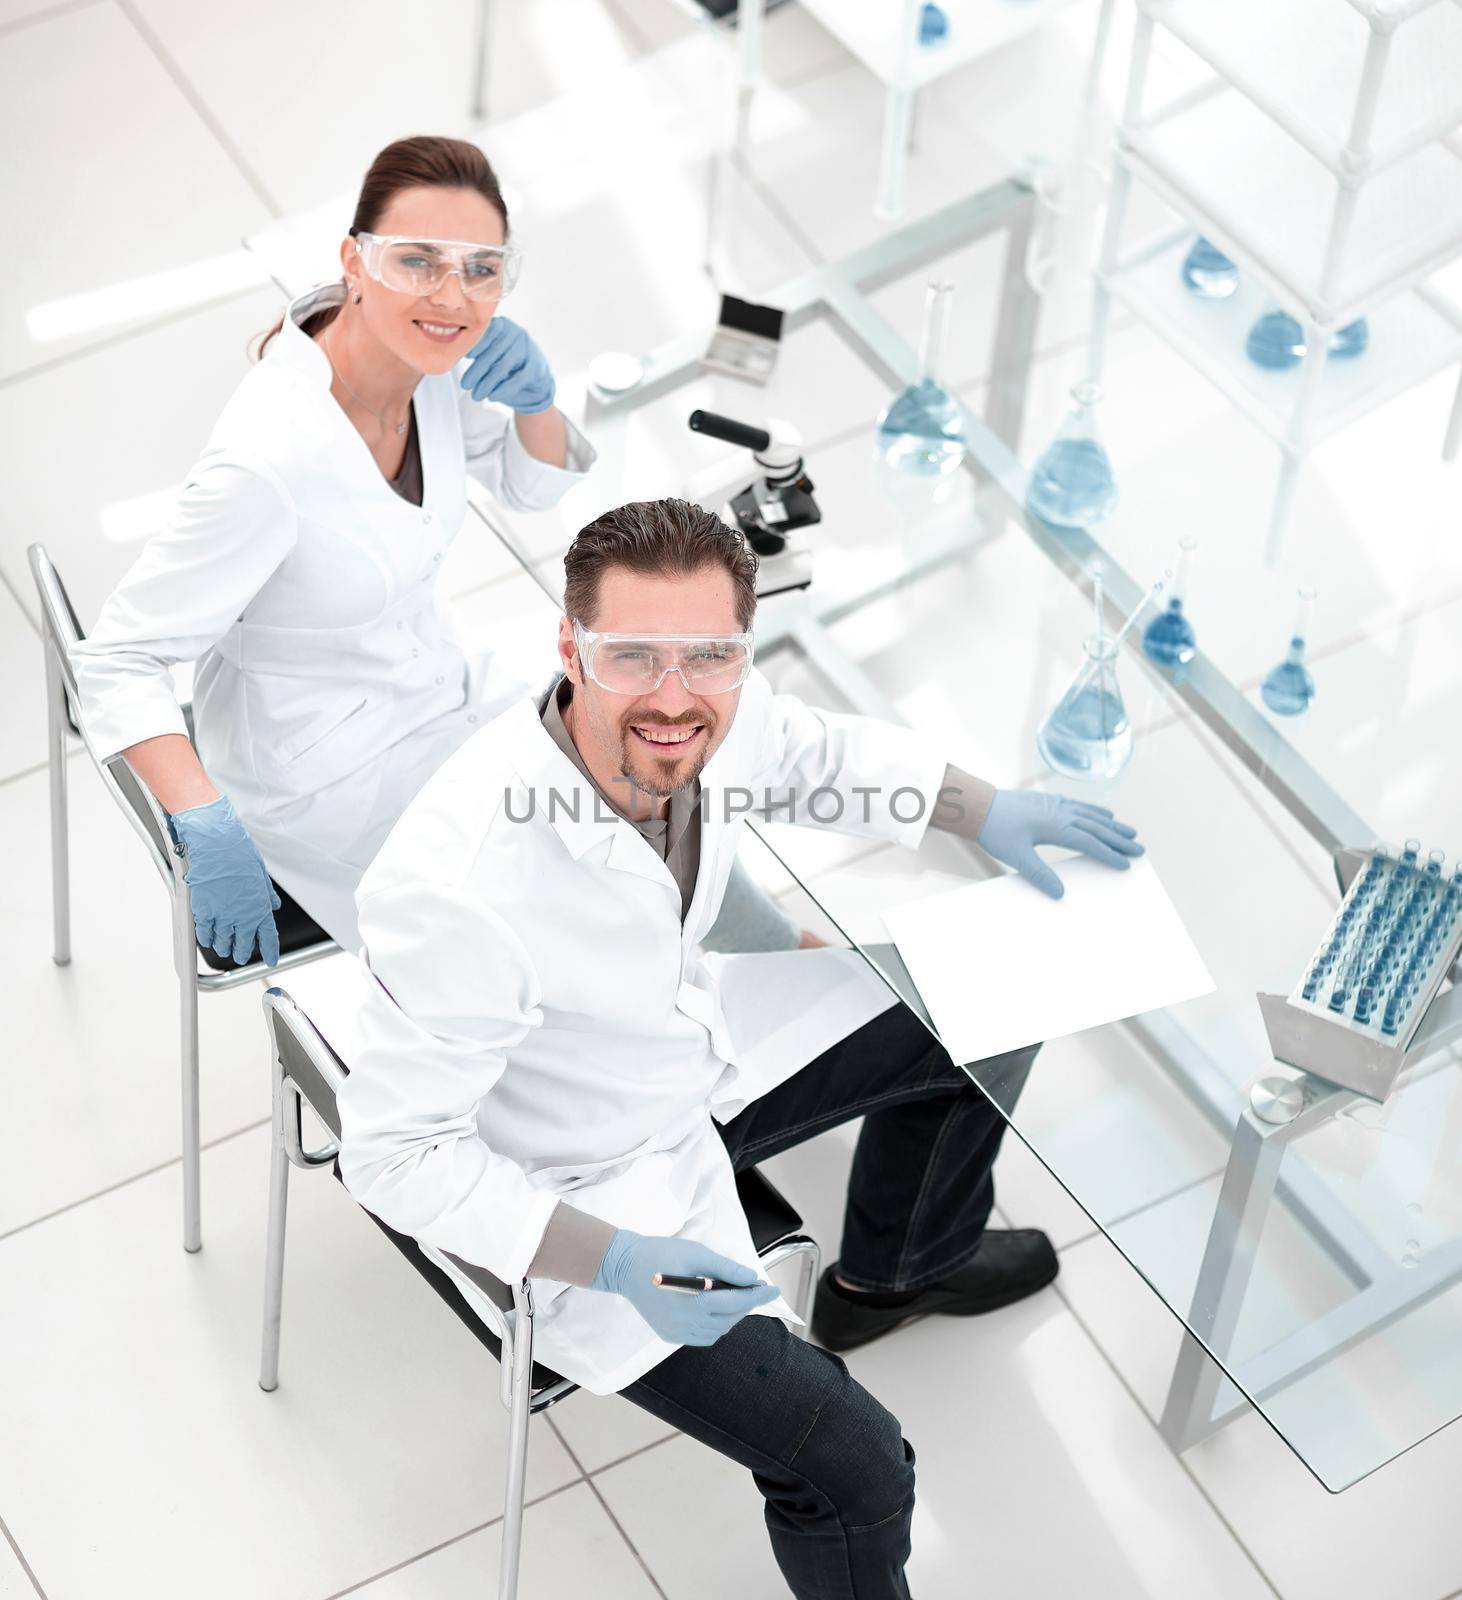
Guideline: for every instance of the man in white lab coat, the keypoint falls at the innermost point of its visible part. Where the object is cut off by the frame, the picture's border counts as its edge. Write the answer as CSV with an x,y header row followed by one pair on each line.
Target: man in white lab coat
x,y
553,1080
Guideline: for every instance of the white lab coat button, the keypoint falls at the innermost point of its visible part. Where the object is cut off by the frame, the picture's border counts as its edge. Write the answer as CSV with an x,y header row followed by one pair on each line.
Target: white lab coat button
x,y
472,716
426,516
440,679
400,624
415,654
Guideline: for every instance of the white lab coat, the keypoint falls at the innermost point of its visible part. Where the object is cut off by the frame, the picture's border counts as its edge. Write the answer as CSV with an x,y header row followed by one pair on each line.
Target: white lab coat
x,y
331,683
536,1022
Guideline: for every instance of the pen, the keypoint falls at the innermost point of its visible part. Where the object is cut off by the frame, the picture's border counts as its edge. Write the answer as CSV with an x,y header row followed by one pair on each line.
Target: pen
x,y
697,1285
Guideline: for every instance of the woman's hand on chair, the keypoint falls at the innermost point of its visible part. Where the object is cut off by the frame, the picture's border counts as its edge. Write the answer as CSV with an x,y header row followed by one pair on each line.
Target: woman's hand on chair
x,y
233,899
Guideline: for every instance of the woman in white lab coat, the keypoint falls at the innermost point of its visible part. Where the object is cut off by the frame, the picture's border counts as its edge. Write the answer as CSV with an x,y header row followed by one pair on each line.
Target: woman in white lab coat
x,y
299,567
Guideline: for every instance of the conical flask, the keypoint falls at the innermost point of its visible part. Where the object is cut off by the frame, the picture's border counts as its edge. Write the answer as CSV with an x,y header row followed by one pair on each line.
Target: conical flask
x,y
1072,484
1086,734
1169,640
1288,688
921,431
1351,340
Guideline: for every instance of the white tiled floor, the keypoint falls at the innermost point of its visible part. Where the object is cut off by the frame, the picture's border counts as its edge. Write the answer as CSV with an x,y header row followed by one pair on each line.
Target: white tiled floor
x,y
139,1456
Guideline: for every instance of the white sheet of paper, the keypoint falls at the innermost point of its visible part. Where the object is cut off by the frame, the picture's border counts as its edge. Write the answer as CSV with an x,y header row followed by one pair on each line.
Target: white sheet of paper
x,y
1001,966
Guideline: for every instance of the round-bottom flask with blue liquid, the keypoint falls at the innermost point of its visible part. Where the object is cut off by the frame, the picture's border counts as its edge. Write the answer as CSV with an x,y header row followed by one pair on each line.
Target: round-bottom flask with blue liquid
x,y
1087,734
1071,485
1208,272
1276,341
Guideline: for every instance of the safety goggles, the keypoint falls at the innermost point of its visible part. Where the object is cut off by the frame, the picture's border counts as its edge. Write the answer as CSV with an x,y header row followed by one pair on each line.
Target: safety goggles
x,y
422,266
627,663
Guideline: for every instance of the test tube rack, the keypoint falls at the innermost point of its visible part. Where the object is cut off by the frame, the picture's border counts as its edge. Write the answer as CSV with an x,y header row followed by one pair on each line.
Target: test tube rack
x,y
1370,1003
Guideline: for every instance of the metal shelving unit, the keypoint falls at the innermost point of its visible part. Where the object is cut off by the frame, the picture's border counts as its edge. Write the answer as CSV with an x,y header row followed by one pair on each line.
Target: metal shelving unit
x,y
1324,157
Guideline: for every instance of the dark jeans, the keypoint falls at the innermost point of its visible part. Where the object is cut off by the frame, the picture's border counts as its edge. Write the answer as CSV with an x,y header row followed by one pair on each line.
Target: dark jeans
x,y
836,1471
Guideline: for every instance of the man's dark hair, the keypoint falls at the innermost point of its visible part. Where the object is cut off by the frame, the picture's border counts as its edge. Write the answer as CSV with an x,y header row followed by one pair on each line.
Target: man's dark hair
x,y
661,538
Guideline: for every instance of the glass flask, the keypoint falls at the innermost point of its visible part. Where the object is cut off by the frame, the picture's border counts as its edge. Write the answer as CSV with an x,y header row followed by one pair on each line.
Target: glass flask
x,y
1087,734
1072,485
1276,341
1208,272
1169,640
933,24
921,431
1289,688
1349,341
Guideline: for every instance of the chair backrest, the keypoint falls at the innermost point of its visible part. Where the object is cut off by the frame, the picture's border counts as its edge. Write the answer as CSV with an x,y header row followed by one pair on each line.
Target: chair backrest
x,y
60,630
310,1062
305,1056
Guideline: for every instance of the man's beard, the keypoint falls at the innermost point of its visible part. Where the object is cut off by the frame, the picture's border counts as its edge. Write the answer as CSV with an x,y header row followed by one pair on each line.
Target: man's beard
x,y
657,781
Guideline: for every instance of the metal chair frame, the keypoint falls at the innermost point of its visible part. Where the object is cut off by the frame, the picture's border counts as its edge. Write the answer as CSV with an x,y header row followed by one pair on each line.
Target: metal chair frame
x,y
60,629
305,1071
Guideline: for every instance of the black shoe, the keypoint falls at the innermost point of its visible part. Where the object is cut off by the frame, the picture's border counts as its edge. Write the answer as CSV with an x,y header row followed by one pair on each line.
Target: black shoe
x,y
1010,1264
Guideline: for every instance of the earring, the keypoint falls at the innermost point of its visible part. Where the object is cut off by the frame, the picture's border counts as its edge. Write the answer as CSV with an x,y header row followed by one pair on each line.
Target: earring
x,y
356,297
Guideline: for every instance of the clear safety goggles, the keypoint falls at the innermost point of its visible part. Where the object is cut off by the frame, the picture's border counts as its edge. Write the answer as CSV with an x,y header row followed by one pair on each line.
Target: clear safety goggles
x,y
422,266
626,663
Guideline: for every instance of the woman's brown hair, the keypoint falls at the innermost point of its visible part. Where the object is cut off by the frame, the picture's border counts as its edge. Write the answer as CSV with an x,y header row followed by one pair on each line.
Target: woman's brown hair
x,y
425,161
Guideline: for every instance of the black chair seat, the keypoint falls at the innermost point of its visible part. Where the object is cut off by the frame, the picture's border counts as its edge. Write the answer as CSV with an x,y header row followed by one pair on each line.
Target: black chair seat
x,y
297,930
772,1218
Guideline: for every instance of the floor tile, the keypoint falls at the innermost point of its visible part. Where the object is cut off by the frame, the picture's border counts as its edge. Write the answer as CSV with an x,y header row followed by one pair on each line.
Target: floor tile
x,y
100,1101
17,13
305,132
384,1437
1028,1195
68,82
1312,1544
1316,1546
22,667
94,512
662,1500
599,1429
1010,1415
14,1584
570,1549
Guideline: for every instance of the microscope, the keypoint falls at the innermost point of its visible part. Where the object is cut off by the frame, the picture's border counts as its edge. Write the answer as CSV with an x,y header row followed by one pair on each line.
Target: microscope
x,y
771,509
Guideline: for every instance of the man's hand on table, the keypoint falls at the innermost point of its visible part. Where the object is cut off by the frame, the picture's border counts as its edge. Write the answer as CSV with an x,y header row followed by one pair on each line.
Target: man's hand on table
x,y
1021,819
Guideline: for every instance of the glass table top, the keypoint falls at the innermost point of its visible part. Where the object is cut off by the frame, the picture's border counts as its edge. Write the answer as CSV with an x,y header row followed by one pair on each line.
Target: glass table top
x,y
1319,1261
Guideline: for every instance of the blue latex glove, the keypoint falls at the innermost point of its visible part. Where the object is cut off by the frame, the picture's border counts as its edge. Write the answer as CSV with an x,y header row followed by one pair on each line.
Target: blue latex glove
x,y
632,1260
233,900
1020,819
505,365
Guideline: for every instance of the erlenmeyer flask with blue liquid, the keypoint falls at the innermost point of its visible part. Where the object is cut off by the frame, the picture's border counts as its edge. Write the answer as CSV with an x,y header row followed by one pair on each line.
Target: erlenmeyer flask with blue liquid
x,y
1072,486
1169,640
1087,733
921,431
1289,687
